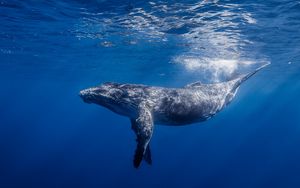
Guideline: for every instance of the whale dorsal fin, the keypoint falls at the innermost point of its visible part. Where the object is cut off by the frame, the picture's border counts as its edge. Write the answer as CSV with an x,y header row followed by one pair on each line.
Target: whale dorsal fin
x,y
195,84
143,128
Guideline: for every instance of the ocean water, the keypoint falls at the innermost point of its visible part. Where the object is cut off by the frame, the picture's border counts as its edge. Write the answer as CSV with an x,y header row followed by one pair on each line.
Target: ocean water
x,y
50,50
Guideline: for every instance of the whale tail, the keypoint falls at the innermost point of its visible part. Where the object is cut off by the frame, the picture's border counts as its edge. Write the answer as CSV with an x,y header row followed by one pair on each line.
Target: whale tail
x,y
244,77
235,84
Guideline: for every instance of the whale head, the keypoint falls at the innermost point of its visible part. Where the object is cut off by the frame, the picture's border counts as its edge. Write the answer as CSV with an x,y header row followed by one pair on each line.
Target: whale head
x,y
110,95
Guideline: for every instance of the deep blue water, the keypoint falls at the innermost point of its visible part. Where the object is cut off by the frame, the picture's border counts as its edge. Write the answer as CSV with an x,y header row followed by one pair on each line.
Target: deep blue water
x,y
50,50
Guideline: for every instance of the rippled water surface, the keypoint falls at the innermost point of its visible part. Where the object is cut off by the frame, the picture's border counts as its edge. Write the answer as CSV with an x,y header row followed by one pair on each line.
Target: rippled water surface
x,y
50,50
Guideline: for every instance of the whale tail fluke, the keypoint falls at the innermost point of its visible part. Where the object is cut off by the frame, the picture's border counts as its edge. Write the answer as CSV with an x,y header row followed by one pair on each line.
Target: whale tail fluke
x,y
244,77
235,83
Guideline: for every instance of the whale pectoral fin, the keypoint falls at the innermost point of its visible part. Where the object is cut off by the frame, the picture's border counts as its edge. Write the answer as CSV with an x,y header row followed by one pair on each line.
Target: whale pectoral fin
x,y
147,155
143,128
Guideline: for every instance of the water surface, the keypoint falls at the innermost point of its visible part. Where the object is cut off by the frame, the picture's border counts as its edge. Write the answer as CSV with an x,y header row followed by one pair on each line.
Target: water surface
x,y
49,50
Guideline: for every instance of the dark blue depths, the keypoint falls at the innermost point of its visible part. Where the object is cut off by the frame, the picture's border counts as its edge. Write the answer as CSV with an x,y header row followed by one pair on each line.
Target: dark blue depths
x,y
50,50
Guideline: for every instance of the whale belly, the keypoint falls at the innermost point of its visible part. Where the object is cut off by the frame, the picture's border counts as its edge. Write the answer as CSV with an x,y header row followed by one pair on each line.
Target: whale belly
x,y
183,113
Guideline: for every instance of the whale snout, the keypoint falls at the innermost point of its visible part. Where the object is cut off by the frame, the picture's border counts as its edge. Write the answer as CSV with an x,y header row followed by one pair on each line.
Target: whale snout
x,y
86,95
103,95
94,95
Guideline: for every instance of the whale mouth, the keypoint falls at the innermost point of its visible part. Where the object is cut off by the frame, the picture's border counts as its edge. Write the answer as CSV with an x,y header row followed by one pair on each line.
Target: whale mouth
x,y
86,100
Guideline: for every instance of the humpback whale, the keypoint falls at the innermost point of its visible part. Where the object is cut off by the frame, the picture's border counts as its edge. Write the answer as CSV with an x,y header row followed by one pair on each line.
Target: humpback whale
x,y
149,105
